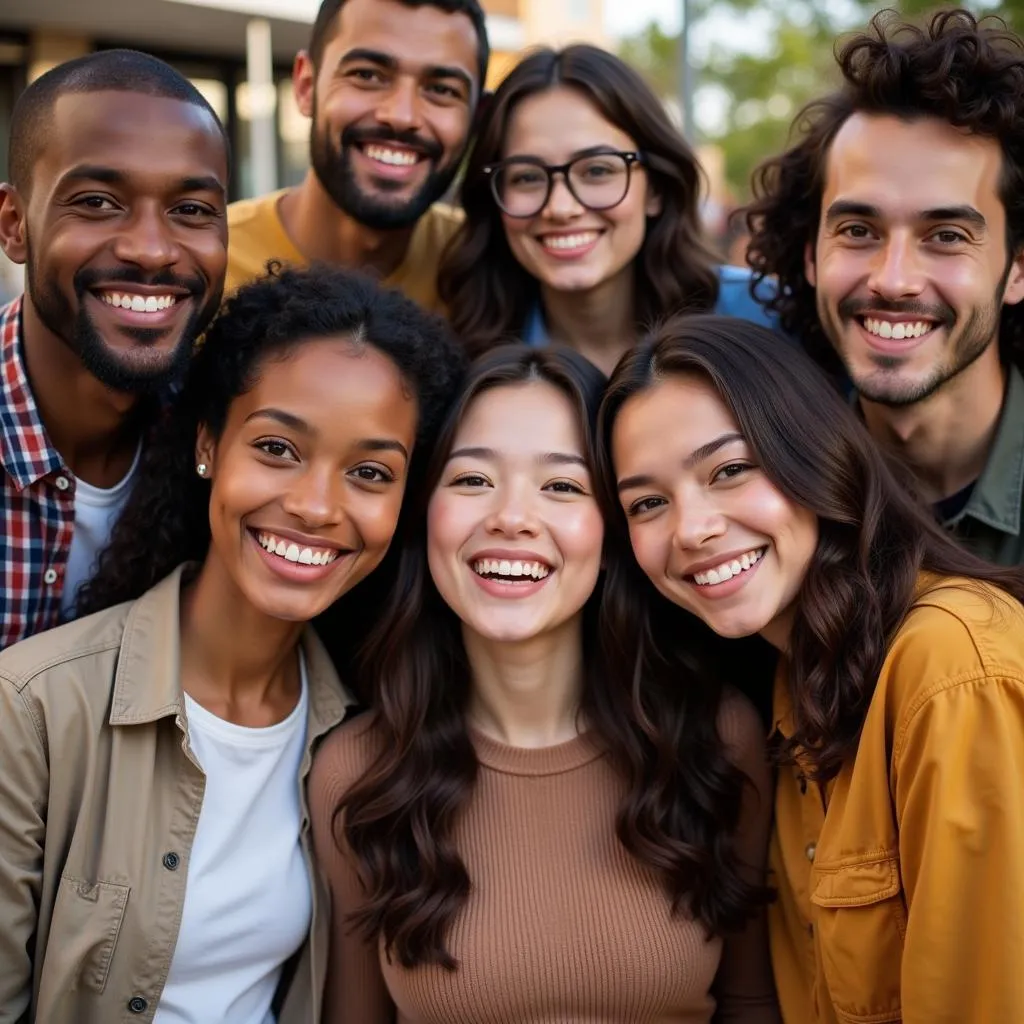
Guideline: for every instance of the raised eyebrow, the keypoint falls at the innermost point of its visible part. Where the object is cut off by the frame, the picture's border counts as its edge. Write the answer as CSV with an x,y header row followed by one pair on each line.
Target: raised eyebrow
x,y
384,444
564,459
94,172
488,454
385,60
286,419
443,71
202,183
627,483
851,208
705,451
965,214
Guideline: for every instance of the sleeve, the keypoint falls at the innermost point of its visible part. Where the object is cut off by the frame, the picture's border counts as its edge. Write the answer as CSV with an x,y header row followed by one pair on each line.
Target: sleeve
x,y
744,986
959,795
24,790
355,992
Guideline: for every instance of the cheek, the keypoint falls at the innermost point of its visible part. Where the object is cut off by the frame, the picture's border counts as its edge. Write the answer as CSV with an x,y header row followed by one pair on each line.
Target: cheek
x,y
629,220
376,517
648,543
447,527
452,129
580,535
516,233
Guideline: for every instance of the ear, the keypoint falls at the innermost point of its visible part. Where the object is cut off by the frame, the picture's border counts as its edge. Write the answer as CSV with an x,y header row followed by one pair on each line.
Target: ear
x,y
1014,290
810,267
304,82
206,451
654,205
13,229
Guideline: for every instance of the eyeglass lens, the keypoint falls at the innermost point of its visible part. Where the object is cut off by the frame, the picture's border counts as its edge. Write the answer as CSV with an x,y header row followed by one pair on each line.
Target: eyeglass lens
x,y
598,182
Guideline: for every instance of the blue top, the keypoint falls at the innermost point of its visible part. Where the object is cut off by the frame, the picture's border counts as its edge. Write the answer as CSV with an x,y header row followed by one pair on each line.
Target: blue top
x,y
734,299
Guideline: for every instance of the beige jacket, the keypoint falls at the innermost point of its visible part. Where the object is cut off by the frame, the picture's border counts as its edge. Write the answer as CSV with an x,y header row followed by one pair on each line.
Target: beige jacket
x,y
99,800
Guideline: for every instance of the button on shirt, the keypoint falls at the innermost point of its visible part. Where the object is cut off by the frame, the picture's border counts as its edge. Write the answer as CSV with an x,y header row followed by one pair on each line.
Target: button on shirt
x,y
37,499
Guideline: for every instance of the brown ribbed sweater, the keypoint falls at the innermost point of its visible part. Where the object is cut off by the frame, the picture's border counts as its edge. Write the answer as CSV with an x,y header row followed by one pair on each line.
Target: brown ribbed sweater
x,y
562,924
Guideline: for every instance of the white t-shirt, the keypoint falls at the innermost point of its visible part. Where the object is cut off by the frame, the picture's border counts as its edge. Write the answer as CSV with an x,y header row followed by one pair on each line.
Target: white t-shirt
x,y
96,511
248,903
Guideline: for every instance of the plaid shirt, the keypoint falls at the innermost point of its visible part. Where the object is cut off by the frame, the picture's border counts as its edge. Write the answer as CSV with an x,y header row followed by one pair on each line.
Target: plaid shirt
x,y
37,500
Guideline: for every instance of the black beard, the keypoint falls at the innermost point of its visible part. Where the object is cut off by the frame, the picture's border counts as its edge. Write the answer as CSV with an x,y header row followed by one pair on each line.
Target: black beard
x,y
333,167
81,335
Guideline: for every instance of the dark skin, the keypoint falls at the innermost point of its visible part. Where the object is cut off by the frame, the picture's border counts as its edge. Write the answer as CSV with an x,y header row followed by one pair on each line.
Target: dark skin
x,y
128,192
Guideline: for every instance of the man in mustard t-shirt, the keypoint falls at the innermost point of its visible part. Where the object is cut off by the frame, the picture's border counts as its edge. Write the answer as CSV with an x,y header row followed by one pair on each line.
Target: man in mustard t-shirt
x,y
391,86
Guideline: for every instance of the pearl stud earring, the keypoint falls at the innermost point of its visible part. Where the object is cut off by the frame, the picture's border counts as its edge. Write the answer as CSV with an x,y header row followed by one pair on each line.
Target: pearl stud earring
x,y
201,469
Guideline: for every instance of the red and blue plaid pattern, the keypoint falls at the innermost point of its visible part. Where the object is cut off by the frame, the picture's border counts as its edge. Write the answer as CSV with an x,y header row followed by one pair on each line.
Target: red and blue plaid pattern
x,y
37,500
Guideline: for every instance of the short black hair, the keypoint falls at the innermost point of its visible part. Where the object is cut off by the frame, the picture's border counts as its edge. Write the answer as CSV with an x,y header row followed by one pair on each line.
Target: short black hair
x,y
326,25
105,71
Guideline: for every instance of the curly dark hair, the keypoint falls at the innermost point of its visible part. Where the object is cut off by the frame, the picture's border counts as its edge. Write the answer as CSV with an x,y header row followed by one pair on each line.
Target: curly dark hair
x,y
966,72
488,293
682,800
874,539
166,520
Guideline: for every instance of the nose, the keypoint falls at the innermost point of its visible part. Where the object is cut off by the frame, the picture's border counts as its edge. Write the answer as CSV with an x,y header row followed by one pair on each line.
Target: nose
x,y
147,240
697,521
315,497
561,204
400,108
512,514
896,271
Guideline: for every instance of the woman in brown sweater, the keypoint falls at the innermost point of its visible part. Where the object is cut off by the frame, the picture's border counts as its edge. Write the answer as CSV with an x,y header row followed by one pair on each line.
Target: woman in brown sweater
x,y
516,833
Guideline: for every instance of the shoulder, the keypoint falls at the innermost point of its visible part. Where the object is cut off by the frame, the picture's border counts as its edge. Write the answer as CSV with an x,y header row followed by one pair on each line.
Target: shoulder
x,y
437,226
345,755
248,213
743,734
735,298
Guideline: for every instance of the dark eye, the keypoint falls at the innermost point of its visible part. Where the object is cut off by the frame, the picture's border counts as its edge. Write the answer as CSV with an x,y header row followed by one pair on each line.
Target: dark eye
x,y
565,487
644,505
276,448
858,232
949,237
99,203
191,209
732,470
469,480
373,474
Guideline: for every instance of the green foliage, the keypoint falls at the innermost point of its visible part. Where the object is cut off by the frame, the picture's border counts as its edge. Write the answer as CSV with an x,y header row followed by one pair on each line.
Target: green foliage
x,y
761,92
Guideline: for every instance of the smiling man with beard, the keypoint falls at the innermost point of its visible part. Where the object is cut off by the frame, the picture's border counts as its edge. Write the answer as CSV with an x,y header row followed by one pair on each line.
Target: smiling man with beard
x,y
116,206
391,87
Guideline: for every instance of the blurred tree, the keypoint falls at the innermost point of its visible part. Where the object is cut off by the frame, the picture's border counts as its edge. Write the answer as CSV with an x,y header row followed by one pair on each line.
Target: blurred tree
x,y
758,94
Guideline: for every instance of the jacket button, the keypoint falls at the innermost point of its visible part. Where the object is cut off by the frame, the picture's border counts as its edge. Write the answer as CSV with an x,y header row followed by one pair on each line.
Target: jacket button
x,y
810,850
63,483
171,861
137,1004
50,577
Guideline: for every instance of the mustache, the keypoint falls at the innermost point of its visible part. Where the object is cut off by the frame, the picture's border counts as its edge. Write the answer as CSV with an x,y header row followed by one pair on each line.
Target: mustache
x,y
851,307
352,135
87,279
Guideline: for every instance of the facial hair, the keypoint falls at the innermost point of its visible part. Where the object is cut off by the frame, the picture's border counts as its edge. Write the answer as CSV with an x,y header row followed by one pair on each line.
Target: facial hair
x,y
332,164
81,334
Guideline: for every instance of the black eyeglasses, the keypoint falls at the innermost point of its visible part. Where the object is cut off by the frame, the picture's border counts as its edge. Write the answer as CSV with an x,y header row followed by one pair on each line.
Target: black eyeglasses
x,y
522,185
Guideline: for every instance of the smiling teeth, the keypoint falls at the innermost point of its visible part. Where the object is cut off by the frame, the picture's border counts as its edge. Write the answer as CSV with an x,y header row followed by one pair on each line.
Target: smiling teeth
x,y
395,157
293,553
727,570
564,242
506,567
139,303
899,330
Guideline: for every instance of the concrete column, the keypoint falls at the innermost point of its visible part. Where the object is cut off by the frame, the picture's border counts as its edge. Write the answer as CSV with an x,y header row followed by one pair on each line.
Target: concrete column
x,y
259,63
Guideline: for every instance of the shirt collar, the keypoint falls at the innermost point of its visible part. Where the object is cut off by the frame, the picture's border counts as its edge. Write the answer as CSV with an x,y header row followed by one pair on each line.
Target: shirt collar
x,y
26,452
147,686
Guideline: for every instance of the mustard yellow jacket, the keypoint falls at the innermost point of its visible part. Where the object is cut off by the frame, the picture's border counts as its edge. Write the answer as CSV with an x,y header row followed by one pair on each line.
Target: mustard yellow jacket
x,y
901,887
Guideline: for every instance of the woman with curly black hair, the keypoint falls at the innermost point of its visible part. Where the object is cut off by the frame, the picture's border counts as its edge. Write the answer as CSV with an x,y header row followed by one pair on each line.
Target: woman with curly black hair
x,y
518,832
757,504
154,848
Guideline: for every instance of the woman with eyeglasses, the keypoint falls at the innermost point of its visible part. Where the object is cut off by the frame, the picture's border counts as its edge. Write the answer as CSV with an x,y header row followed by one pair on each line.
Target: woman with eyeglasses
x,y
582,215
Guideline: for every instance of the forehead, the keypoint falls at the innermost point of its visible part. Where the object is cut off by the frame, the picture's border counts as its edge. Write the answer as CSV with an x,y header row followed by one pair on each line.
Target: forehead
x,y
416,36
525,418
133,132
681,411
558,122
905,166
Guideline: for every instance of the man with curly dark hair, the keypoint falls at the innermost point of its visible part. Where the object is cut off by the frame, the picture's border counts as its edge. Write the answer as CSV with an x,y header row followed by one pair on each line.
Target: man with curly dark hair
x,y
895,227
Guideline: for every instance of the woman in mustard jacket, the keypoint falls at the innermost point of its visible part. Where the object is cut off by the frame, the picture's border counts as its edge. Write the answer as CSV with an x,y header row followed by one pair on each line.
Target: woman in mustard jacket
x,y
756,501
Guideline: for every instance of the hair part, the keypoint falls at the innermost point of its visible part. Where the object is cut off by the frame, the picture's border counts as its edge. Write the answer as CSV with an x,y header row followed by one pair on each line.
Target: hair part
x,y
116,70
875,538
489,293
955,68
681,799
327,22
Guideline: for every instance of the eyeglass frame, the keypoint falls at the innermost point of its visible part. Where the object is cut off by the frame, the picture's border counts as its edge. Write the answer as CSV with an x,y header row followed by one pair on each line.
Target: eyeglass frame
x,y
631,157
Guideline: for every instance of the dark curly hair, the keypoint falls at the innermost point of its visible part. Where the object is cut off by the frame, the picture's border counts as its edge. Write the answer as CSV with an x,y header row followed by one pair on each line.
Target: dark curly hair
x,y
967,72
874,539
682,795
166,520
488,293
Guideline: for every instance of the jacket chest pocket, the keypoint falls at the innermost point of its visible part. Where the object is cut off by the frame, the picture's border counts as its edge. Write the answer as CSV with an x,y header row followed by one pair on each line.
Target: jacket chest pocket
x,y
86,921
860,927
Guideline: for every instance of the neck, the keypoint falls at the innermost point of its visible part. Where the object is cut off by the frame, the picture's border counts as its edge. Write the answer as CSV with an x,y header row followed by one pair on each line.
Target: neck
x,y
946,438
94,428
527,694
235,660
323,232
598,323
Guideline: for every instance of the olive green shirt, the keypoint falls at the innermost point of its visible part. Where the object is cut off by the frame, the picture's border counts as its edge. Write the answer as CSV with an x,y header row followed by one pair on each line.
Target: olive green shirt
x,y
990,523
99,800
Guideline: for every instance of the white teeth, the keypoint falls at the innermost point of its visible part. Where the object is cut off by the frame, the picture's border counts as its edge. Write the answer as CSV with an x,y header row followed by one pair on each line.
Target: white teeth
x,y
509,568
139,303
566,242
293,553
898,330
727,570
395,157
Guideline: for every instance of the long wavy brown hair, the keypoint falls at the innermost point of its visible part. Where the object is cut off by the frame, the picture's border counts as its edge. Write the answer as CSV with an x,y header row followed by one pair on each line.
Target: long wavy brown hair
x,y
874,541
681,795
955,68
488,293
